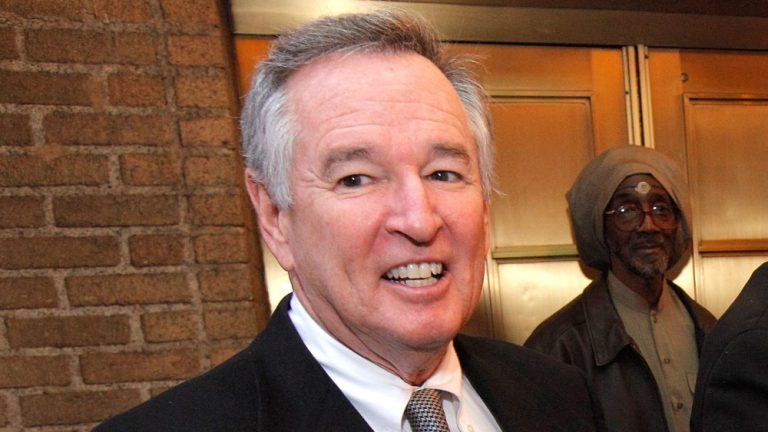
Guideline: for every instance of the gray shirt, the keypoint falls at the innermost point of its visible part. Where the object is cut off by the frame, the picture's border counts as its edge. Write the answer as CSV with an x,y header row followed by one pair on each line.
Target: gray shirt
x,y
665,336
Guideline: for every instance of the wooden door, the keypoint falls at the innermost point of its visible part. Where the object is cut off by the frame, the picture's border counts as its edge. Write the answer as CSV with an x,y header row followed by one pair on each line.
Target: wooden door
x,y
710,112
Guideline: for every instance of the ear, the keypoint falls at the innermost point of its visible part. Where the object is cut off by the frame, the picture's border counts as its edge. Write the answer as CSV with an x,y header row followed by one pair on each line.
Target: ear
x,y
274,224
487,225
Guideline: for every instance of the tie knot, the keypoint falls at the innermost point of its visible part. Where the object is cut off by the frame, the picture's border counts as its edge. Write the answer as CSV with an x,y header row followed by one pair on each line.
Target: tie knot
x,y
425,411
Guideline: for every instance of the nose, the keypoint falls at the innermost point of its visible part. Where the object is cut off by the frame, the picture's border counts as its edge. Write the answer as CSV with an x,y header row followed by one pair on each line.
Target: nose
x,y
647,224
413,213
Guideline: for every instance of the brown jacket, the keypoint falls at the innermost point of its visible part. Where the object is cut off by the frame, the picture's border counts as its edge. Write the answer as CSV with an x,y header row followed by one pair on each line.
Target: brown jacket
x,y
589,334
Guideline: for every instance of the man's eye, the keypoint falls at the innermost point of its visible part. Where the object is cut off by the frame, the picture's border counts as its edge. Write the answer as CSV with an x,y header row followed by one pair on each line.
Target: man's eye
x,y
355,180
662,208
445,176
626,209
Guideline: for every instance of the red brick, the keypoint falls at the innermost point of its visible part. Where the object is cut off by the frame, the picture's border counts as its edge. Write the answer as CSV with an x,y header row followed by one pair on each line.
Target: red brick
x,y
157,390
136,90
221,248
88,46
226,283
33,371
3,411
191,12
169,326
99,129
80,129
8,49
102,368
71,9
196,50
27,293
14,130
127,289
221,354
44,88
214,170
59,252
21,212
31,170
136,11
210,131
72,331
136,48
156,250
231,323
220,209
203,91
75,407
144,130
68,45
115,210
150,169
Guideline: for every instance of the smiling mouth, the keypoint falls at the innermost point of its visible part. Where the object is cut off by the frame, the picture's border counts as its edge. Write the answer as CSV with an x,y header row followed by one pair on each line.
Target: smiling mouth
x,y
416,274
650,246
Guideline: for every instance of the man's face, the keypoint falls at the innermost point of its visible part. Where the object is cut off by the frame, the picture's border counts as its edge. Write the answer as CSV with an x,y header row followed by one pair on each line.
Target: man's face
x,y
386,240
646,250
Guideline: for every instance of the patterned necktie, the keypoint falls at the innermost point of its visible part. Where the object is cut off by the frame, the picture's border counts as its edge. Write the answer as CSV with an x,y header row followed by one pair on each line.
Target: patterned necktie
x,y
425,412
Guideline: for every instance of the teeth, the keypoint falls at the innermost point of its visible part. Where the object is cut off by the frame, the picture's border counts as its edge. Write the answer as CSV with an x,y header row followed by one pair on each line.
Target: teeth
x,y
416,274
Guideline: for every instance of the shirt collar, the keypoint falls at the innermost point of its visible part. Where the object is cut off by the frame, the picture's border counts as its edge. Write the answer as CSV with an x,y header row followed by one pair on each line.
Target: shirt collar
x,y
621,293
379,395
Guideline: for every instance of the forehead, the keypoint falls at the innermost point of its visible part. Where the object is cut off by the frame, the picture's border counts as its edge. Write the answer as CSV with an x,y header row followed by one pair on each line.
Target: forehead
x,y
356,83
343,101
640,186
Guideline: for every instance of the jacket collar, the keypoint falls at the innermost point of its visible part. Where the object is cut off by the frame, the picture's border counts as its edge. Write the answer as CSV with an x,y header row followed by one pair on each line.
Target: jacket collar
x,y
606,330
289,374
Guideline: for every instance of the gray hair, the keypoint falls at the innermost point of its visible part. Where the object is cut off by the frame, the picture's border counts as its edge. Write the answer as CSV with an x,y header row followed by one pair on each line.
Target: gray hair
x,y
269,131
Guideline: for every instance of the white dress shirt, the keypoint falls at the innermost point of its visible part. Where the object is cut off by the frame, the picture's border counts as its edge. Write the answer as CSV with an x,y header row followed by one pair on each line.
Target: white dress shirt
x,y
379,395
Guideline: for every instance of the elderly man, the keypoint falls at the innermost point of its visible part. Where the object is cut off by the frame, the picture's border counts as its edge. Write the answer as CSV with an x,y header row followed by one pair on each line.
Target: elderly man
x,y
732,389
635,333
369,164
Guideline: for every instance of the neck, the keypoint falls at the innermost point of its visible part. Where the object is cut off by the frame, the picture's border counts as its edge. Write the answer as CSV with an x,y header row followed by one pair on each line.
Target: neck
x,y
415,368
647,288
413,364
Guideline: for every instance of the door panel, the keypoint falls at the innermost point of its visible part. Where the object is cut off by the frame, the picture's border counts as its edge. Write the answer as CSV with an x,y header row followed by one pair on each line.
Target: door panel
x,y
532,291
729,158
533,177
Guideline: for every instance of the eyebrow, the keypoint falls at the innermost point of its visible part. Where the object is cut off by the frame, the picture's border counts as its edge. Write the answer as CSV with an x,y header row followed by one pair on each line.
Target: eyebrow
x,y
344,155
451,151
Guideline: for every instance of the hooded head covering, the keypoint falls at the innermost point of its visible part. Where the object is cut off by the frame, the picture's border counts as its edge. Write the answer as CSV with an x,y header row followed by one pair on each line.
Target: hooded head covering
x,y
594,188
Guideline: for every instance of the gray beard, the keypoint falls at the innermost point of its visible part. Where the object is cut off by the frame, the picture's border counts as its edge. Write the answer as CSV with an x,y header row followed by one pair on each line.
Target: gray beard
x,y
650,270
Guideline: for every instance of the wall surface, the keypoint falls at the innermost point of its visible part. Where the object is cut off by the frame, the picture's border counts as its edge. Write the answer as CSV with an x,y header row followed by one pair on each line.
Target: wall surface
x,y
128,258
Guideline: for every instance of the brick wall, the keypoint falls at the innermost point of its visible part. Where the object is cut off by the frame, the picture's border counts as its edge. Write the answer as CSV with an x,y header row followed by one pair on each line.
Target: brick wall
x,y
128,258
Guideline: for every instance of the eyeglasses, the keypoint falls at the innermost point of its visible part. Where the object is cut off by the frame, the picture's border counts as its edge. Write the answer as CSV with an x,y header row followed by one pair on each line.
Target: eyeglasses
x,y
629,217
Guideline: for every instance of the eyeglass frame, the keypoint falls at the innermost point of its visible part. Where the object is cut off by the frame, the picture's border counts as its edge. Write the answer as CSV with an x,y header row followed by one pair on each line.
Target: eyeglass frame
x,y
675,213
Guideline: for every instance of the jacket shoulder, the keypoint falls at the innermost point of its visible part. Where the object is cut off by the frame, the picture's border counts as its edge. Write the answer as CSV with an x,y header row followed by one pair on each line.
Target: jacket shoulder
x,y
567,320
511,357
515,381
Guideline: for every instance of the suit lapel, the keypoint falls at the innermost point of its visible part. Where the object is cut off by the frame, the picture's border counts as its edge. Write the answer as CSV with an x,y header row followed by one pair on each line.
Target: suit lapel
x,y
297,394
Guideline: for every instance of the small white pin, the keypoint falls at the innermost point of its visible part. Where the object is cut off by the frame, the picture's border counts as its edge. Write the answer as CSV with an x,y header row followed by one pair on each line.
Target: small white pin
x,y
643,188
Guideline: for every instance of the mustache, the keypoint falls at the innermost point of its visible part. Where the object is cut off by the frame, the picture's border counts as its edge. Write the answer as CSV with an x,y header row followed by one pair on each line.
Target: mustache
x,y
648,240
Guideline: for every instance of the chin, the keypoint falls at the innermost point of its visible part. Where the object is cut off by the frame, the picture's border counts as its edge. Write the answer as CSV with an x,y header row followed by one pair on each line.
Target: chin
x,y
651,270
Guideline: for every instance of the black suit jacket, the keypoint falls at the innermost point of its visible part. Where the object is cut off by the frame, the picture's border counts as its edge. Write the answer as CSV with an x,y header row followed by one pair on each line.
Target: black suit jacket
x,y
732,387
276,385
